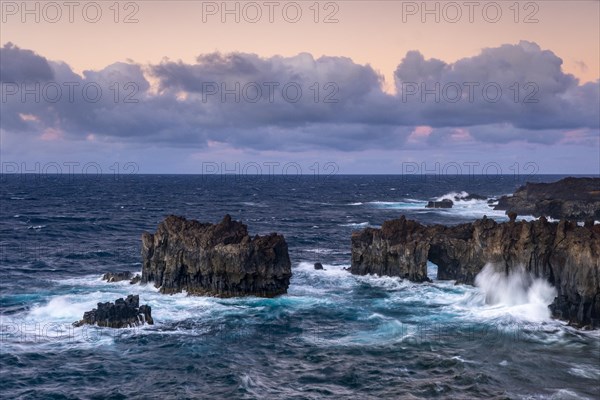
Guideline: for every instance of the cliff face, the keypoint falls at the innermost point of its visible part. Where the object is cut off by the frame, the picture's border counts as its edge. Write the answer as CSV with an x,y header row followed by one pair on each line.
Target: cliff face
x,y
569,198
566,255
214,259
397,249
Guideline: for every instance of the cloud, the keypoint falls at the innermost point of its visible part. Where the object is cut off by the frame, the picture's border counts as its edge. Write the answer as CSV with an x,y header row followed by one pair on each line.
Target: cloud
x,y
300,103
18,65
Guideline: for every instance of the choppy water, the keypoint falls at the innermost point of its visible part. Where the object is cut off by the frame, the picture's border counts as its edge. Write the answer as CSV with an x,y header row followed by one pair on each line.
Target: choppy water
x,y
333,335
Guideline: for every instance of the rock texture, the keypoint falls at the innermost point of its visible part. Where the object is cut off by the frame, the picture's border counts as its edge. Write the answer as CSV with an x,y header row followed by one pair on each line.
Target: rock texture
x,y
570,198
120,314
440,204
565,254
214,259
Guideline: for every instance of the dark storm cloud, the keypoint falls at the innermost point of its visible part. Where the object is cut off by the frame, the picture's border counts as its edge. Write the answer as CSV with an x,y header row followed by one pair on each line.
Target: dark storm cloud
x,y
342,105
18,65
535,93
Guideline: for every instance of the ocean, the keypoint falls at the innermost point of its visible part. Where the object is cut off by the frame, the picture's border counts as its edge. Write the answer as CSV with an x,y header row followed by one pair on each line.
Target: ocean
x,y
333,335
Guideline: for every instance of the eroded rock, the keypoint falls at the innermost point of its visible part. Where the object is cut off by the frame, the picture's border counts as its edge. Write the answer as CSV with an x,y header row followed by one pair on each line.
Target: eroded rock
x,y
123,313
566,255
214,259
570,198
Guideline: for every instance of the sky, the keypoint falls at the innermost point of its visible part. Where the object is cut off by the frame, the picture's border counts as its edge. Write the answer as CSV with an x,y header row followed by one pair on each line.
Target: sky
x,y
281,87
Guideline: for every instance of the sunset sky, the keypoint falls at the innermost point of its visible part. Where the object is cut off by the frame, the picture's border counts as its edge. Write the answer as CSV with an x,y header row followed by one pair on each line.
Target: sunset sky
x,y
378,83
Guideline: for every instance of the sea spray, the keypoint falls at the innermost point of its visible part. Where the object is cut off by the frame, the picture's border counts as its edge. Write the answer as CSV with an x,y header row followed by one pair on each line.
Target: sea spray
x,y
517,292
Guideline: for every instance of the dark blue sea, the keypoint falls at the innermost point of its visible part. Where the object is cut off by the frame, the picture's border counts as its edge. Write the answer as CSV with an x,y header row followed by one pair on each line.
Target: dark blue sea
x,y
334,335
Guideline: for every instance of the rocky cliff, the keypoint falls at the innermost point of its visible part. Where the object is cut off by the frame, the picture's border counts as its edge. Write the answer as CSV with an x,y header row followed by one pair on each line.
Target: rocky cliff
x,y
566,255
214,259
570,198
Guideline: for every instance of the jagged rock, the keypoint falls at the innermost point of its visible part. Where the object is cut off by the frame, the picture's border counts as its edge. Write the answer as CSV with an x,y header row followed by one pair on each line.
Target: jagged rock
x,y
120,314
394,250
440,204
318,266
214,259
136,279
566,255
117,276
570,198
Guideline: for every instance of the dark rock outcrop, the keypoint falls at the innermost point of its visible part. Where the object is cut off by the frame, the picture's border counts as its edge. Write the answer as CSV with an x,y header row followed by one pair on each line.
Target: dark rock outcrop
x,y
120,314
117,276
395,250
318,266
121,276
566,255
570,198
440,204
214,259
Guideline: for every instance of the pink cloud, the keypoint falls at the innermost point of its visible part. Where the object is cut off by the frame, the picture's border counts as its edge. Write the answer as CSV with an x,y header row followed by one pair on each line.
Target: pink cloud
x,y
419,134
51,134
460,134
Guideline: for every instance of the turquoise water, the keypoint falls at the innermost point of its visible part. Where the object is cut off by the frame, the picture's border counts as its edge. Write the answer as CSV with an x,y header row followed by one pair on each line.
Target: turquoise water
x,y
334,335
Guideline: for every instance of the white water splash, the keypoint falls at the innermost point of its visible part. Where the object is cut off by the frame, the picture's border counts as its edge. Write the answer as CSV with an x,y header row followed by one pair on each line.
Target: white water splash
x,y
517,293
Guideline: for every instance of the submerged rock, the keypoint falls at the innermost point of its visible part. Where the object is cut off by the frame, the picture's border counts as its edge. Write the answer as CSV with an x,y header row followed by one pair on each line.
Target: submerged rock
x,y
570,198
566,255
120,314
440,204
214,259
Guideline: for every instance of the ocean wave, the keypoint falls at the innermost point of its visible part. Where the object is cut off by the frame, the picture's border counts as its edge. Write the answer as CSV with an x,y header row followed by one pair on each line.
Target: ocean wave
x,y
396,205
356,224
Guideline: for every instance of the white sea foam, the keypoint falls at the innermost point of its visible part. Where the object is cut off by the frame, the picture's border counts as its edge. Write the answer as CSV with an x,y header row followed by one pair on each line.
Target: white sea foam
x,y
517,294
356,224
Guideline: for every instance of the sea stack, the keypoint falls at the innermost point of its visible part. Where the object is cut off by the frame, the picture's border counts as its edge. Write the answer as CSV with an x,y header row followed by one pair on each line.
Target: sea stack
x,y
214,259
565,254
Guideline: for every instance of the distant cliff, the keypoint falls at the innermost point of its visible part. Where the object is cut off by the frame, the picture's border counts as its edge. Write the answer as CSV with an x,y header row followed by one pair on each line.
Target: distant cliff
x,y
566,255
214,259
570,198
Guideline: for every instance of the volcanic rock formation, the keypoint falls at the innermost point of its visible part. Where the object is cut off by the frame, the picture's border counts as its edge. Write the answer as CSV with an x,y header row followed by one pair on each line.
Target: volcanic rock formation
x,y
570,198
214,259
120,314
565,254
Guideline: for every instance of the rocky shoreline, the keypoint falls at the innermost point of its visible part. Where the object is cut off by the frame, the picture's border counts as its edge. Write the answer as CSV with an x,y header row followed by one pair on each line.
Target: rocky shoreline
x,y
570,198
565,254
223,260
